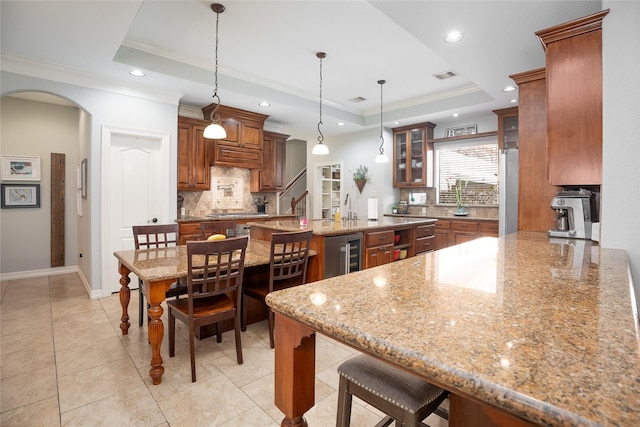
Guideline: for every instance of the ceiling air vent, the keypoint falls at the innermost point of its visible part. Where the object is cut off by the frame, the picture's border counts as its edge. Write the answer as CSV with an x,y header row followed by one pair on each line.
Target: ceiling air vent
x,y
445,75
357,99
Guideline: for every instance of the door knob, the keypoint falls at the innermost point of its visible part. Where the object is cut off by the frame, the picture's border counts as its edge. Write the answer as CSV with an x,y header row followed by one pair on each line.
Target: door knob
x,y
154,220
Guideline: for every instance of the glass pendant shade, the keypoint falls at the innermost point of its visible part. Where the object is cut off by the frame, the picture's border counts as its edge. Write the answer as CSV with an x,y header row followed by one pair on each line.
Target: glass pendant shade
x,y
382,158
214,131
320,149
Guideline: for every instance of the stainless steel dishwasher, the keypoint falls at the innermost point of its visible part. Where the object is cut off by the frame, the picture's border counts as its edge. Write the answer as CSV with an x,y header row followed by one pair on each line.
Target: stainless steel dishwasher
x,y
342,254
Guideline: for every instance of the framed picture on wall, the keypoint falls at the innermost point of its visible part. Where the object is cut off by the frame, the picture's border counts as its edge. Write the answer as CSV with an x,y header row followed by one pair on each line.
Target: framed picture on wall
x,y
20,168
20,196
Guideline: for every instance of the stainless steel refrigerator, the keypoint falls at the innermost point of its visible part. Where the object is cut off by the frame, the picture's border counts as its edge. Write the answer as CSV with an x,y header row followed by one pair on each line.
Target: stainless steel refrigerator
x,y
508,191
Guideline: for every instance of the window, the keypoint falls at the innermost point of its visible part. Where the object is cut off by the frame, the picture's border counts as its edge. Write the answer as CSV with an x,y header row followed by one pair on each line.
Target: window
x,y
473,162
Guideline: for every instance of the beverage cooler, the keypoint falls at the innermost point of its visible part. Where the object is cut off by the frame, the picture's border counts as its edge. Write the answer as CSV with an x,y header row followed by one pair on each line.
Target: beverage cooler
x,y
342,254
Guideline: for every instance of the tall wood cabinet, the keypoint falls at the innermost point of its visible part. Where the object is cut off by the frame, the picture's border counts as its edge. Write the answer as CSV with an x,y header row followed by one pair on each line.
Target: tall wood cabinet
x,y
193,155
271,177
534,191
413,155
243,146
574,100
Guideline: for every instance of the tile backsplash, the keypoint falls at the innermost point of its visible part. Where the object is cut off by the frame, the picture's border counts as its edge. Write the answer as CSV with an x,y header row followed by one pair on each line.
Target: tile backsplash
x,y
230,192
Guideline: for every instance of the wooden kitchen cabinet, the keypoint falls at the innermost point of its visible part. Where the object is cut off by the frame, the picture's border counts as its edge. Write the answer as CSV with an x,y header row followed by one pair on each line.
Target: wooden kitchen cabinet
x,y
453,232
271,177
574,100
378,248
425,238
441,234
507,128
194,165
463,231
413,155
243,145
534,191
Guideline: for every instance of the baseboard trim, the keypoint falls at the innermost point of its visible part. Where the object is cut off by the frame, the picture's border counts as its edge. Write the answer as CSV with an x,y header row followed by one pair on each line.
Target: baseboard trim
x,y
93,294
39,273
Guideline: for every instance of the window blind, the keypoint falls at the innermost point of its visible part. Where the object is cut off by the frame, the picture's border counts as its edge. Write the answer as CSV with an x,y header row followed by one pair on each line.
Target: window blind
x,y
473,163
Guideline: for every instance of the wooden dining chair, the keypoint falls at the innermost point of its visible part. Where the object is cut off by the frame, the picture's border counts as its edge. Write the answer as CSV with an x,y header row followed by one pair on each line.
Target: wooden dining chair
x,y
214,284
287,267
157,236
226,227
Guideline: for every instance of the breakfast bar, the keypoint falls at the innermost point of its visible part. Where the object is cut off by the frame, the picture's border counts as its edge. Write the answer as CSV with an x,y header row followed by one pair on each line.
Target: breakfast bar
x,y
522,330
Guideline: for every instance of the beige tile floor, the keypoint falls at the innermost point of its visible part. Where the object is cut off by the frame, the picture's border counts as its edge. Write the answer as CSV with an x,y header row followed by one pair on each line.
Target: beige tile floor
x,y
64,362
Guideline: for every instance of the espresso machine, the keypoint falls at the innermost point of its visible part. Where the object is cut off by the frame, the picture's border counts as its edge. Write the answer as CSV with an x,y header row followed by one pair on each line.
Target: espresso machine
x,y
575,214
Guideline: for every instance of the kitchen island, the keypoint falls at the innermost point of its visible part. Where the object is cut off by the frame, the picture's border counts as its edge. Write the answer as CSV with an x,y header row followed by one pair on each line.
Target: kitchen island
x,y
522,330
414,235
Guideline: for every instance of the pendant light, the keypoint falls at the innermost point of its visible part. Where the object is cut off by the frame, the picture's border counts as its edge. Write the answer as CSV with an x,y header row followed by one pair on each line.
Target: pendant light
x,y
381,157
320,148
215,130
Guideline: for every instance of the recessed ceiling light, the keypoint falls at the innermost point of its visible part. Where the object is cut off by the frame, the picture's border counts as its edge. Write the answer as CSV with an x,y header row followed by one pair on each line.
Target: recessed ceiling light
x,y
509,89
454,37
264,104
513,101
340,123
396,122
455,114
137,73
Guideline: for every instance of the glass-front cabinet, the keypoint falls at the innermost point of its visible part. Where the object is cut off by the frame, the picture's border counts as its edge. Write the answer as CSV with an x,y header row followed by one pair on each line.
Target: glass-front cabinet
x,y
413,155
507,128
330,186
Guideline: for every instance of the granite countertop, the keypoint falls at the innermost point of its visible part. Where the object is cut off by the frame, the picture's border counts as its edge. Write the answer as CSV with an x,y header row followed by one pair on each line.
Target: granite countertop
x,y
170,263
325,227
456,217
540,327
232,217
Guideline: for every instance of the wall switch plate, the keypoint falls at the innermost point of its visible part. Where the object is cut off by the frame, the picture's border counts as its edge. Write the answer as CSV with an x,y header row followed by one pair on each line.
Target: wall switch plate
x,y
424,211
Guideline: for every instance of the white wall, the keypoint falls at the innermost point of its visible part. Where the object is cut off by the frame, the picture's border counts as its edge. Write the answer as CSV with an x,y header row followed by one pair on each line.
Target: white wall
x,y
37,129
354,150
362,147
104,109
620,198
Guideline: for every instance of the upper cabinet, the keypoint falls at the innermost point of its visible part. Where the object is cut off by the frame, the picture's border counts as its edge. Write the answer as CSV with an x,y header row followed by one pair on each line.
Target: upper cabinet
x,y
413,155
507,128
574,100
243,146
271,177
194,154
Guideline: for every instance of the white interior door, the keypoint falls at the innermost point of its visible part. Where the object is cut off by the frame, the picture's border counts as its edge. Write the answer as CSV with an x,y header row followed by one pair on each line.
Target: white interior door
x,y
135,190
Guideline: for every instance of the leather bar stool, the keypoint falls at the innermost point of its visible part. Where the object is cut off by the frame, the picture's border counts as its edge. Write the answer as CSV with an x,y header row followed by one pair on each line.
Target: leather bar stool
x,y
405,398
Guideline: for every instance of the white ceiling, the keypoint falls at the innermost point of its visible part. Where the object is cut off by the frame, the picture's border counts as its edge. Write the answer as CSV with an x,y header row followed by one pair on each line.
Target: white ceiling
x,y
267,52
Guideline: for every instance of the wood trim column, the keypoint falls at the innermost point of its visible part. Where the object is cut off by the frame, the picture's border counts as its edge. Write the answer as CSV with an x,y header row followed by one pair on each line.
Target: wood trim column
x,y
57,209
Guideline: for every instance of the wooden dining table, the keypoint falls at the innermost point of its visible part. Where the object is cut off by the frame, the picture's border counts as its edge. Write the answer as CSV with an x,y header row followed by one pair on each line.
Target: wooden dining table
x,y
158,269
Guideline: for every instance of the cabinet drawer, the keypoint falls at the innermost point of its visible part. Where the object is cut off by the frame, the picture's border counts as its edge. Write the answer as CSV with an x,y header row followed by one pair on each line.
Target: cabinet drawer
x,y
425,230
378,238
190,228
464,226
425,244
443,224
488,227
